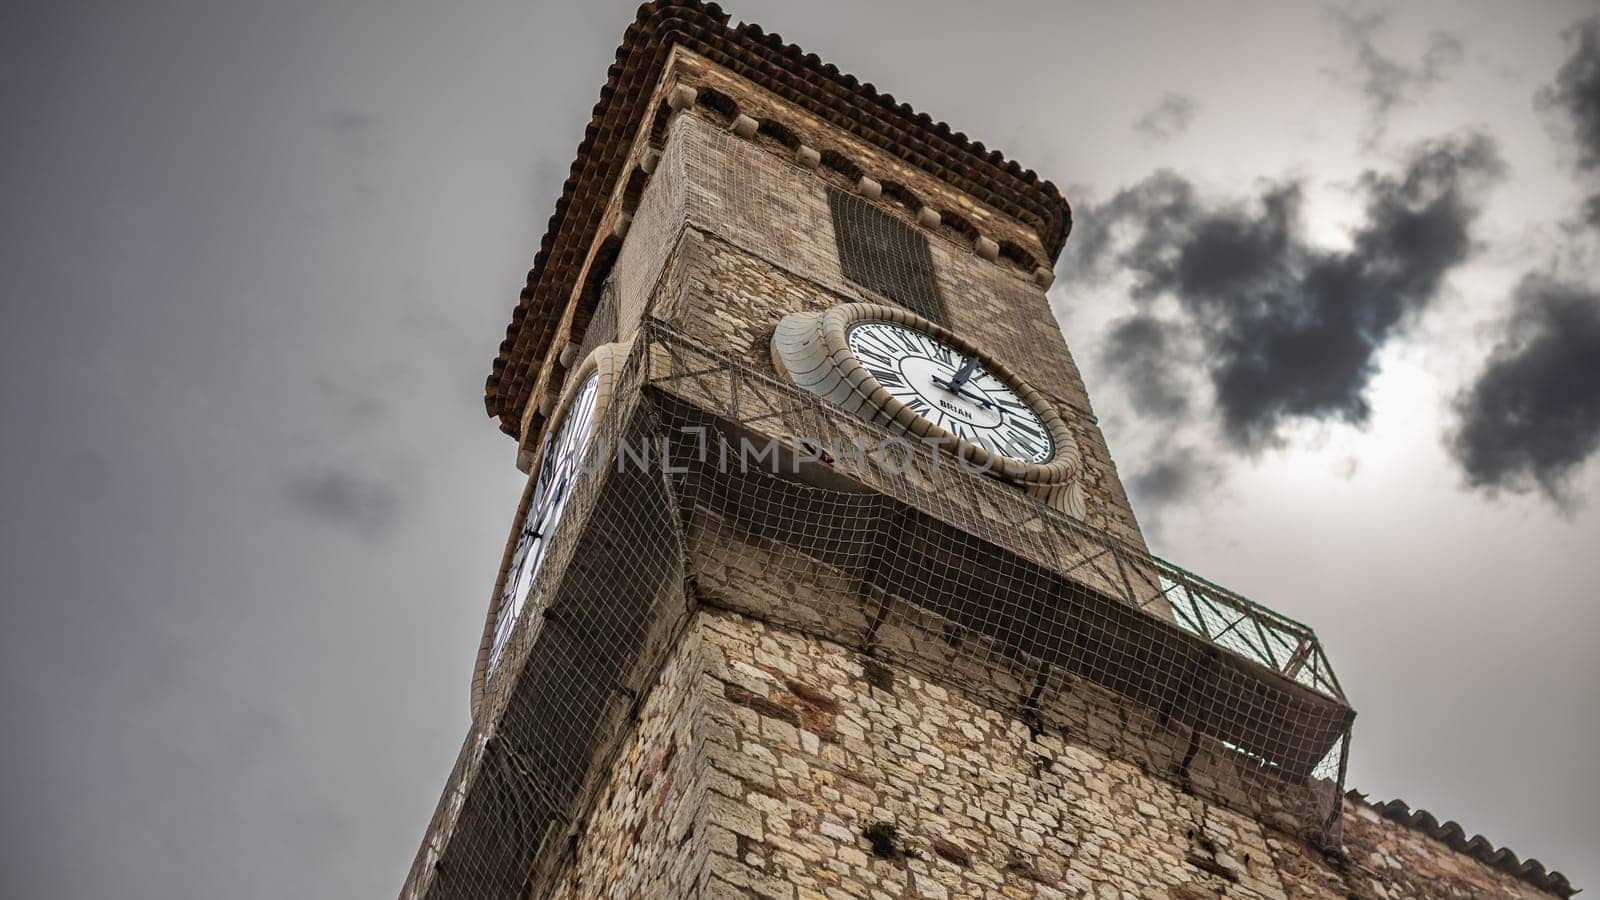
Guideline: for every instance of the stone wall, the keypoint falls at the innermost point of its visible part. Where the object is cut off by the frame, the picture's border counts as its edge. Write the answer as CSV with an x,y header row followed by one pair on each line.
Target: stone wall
x,y
772,764
641,839
691,69
753,238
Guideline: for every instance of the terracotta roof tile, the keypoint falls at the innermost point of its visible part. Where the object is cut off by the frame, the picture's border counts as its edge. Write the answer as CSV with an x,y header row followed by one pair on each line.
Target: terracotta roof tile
x,y
788,72
1478,847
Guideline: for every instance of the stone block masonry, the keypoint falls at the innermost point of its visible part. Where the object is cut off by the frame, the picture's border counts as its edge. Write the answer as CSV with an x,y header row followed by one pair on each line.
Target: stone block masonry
x,y
771,764
746,237
642,837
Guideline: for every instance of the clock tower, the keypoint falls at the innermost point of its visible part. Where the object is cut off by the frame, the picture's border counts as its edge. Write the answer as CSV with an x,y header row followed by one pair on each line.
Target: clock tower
x,y
824,583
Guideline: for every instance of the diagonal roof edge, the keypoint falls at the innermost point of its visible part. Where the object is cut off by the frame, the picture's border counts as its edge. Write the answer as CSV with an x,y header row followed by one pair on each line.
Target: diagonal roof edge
x,y
787,71
1452,835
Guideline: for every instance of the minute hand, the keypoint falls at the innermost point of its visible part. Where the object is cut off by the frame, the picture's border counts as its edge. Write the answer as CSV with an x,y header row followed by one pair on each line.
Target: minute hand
x,y
955,388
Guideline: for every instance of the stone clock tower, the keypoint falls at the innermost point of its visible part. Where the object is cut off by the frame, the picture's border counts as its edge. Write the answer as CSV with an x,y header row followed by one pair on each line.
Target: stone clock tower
x,y
824,583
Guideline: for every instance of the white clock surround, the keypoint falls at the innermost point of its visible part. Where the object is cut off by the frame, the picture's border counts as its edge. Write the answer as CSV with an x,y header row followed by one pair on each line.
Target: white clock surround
x,y
815,350
555,464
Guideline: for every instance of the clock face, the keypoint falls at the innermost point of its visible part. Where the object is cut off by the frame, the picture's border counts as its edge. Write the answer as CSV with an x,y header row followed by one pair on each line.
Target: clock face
x,y
558,470
950,389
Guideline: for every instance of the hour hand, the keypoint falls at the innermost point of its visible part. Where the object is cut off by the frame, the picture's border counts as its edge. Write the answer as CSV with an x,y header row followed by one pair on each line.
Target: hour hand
x,y
968,366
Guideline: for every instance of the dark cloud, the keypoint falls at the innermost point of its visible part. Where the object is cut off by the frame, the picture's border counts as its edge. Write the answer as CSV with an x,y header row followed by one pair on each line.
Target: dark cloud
x,y
1150,205
1291,331
1532,417
1169,118
1182,473
1576,92
358,501
1386,82
1140,350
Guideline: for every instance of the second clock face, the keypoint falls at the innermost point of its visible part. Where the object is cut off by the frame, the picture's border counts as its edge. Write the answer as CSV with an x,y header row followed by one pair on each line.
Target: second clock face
x,y
950,389
559,467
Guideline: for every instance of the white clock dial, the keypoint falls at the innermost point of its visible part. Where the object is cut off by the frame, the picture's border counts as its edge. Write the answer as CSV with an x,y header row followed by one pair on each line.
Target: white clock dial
x,y
558,469
951,389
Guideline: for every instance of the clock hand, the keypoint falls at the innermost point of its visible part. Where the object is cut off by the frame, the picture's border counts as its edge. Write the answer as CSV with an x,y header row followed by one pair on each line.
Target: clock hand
x,y
968,365
954,388
982,400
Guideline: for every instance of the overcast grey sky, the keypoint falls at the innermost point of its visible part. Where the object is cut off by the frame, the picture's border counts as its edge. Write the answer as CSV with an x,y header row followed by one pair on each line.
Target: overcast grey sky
x,y
1333,286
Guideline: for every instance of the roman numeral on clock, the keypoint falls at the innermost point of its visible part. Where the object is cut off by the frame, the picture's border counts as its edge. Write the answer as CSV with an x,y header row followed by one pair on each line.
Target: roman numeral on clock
x,y
886,377
950,389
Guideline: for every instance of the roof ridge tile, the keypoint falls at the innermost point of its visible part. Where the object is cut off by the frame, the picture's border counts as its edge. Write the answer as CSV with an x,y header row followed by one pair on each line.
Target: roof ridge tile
x,y
797,77
1452,835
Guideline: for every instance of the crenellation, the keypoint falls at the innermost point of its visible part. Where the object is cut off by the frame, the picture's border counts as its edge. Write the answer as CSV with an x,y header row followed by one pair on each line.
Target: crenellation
x,y
819,137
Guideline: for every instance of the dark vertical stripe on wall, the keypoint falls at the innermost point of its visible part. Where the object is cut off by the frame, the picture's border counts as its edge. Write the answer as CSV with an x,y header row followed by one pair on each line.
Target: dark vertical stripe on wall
x,y
885,255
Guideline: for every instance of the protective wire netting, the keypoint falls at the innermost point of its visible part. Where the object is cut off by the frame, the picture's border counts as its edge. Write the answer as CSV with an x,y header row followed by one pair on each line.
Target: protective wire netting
x,y
841,530
885,254
602,326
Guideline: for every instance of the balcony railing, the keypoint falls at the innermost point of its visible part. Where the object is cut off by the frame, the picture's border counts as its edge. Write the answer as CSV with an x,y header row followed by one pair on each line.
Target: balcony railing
x,y
1247,629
